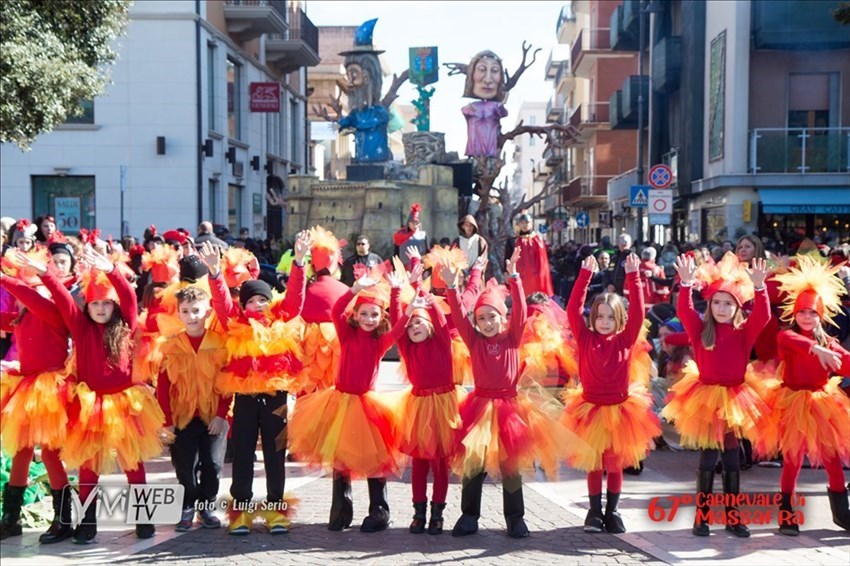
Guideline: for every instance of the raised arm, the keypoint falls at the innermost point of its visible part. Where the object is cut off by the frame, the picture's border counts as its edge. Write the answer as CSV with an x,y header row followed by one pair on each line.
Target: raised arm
x,y
127,301
760,315
473,284
222,302
686,270
519,310
636,300
343,329
462,323
578,296
398,329
71,314
41,307
293,301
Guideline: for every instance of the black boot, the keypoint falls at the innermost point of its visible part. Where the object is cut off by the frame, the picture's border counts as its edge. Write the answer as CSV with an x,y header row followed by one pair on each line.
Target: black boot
x,y
732,486
379,510
435,525
840,512
705,485
787,519
13,498
514,507
470,506
86,531
342,508
594,522
417,526
60,528
613,520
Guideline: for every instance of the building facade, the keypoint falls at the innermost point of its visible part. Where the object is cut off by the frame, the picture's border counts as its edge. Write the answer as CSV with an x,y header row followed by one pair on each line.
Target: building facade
x,y
204,120
527,157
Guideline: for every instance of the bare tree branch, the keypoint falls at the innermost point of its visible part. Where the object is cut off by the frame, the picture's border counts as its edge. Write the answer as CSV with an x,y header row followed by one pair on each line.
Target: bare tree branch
x,y
556,135
456,68
392,94
512,79
335,105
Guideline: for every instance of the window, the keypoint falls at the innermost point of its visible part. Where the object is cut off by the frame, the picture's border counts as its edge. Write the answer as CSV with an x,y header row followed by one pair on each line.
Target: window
x,y
69,199
211,84
234,101
213,199
87,117
234,208
295,150
273,133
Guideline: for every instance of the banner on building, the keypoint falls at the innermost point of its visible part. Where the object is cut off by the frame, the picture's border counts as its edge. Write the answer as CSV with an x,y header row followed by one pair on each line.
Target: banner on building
x,y
265,97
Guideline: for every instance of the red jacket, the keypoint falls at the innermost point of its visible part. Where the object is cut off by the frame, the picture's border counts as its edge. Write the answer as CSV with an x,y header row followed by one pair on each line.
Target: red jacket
x,y
802,368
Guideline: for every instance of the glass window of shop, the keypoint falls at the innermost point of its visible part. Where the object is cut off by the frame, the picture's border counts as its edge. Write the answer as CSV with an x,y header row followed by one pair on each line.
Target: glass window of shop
x,y
786,229
714,224
234,208
234,99
69,199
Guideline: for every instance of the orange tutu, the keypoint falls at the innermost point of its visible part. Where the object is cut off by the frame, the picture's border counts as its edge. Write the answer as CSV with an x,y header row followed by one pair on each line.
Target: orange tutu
x,y
9,380
103,428
34,410
627,429
461,362
147,357
548,359
428,423
812,423
703,414
354,434
504,436
320,357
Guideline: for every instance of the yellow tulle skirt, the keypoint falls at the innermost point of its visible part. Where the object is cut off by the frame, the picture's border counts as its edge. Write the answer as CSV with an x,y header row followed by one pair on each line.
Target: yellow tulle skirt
x,y
353,434
505,436
702,414
428,424
34,410
806,423
627,429
461,362
105,429
320,357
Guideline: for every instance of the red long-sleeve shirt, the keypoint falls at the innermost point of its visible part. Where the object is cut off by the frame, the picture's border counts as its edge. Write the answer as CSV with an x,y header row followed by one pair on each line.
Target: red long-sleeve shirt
x,y
320,297
726,363
467,297
163,390
603,361
41,335
93,366
765,347
495,361
290,307
428,363
802,368
360,351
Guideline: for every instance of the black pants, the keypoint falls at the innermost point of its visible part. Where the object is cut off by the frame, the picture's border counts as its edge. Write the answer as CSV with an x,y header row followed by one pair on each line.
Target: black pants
x,y
197,457
253,415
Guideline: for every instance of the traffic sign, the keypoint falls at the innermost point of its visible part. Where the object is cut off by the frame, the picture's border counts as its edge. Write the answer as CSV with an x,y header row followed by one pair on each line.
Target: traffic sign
x,y
660,176
558,225
662,219
582,219
661,201
639,196
543,228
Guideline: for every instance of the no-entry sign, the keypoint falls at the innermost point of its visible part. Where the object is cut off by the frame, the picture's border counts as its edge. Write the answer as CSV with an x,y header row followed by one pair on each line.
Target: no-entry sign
x,y
660,176
660,201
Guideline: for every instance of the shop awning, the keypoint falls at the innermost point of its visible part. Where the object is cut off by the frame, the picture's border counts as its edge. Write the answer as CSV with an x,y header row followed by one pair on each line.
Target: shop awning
x,y
805,200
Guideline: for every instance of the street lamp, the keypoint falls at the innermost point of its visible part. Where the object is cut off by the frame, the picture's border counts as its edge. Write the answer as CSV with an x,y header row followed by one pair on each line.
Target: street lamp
x,y
646,7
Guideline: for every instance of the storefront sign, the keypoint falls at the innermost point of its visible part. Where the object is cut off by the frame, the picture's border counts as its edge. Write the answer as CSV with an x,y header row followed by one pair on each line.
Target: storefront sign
x,y
67,213
265,97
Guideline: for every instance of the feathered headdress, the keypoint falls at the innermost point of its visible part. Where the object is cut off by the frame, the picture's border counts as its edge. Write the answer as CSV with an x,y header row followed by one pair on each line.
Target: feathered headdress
x,y
96,286
811,284
729,275
57,237
325,245
415,209
377,294
238,265
90,236
24,229
162,263
494,296
22,272
437,256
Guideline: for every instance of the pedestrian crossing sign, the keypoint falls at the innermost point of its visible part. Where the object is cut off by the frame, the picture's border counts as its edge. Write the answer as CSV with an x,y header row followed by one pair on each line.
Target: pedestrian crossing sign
x,y
639,196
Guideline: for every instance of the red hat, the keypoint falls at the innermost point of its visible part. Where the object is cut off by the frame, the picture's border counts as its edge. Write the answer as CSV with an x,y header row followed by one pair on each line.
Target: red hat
x,y
729,275
493,296
237,266
96,286
325,247
414,212
175,236
809,299
162,263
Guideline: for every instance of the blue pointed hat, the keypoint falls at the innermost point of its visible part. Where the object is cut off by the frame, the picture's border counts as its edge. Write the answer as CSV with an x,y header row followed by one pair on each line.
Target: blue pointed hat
x,y
363,39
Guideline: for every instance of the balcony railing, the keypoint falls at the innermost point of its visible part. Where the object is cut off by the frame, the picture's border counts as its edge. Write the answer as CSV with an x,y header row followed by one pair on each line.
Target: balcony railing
x,y
249,19
565,71
589,39
799,150
590,113
555,108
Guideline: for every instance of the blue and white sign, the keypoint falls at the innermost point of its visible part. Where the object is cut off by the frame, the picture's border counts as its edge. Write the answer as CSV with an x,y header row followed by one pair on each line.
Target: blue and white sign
x,y
582,220
639,196
543,228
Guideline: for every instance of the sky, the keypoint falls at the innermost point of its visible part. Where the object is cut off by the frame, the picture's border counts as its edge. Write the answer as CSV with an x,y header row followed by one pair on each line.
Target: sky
x,y
460,29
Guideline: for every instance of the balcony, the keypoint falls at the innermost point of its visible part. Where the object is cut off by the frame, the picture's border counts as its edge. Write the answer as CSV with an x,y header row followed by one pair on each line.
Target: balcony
x,y
564,18
633,87
621,40
589,44
298,47
631,13
615,117
586,191
797,24
249,19
564,76
590,115
667,64
799,151
555,108
553,156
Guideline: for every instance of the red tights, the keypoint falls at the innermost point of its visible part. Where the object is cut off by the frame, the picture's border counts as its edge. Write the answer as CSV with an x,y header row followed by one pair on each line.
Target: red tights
x,y
791,470
88,479
419,479
52,462
614,467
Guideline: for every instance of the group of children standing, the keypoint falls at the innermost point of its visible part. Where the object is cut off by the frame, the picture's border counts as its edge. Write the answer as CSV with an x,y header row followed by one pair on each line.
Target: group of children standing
x,y
244,350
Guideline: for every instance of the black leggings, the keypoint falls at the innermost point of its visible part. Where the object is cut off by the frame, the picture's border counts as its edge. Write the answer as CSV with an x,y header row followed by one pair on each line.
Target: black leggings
x,y
254,415
729,456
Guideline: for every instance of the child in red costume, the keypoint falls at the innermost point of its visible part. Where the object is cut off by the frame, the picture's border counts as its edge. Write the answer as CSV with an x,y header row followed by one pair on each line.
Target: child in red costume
x,y
611,410
717,400
34,402
110,414
428,412
348,426
810,414
533,266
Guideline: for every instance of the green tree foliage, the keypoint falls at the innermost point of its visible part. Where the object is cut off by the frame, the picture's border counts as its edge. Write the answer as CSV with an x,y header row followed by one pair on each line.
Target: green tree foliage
x,y
53,53
842,13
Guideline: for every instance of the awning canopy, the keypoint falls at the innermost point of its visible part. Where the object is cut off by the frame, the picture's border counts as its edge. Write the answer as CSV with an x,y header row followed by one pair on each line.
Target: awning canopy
x,y
805,200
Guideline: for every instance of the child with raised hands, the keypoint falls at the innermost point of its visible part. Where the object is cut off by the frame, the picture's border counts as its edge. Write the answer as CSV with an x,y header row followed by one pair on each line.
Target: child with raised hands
x,y
263,360
348,427
611,410
428,411
717,401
